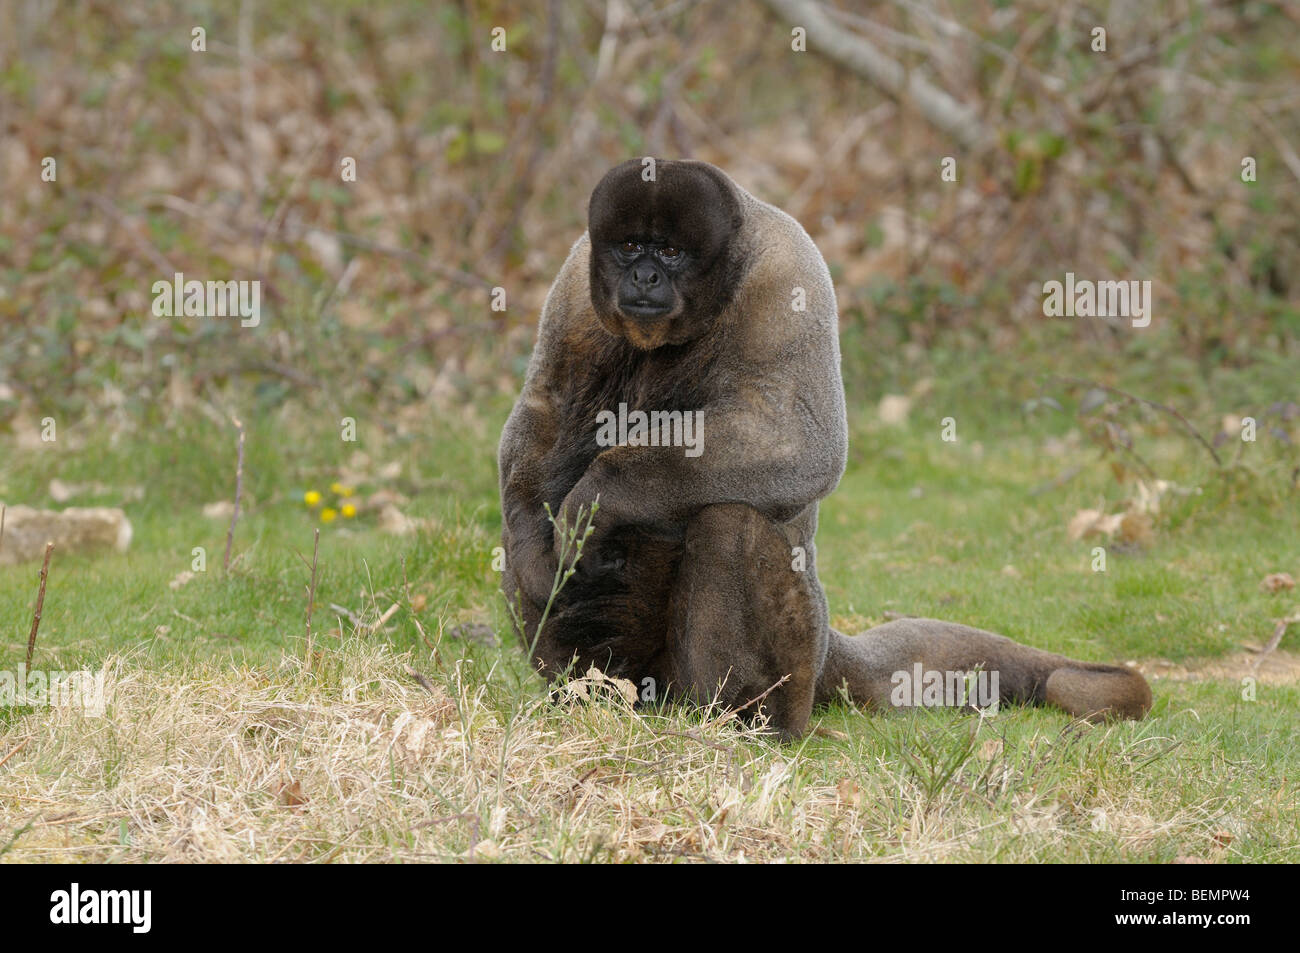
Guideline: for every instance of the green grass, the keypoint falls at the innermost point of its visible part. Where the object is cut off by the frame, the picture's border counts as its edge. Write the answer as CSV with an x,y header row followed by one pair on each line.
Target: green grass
x,y
98,605
926,528
918,526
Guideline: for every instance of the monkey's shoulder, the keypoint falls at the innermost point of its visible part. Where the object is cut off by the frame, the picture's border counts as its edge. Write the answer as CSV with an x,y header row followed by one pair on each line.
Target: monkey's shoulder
x,y
568,322
782,254
787,297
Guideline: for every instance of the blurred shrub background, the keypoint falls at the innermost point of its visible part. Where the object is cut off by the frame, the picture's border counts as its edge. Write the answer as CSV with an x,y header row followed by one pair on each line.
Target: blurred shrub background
x,y
474,166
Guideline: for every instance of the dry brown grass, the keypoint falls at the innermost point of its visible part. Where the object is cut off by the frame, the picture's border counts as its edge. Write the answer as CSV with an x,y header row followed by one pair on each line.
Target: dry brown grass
x,y
359,761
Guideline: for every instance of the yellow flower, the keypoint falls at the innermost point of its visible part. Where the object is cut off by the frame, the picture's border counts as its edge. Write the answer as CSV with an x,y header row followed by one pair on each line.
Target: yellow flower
x,y
348,511
338,489
311,498
327,515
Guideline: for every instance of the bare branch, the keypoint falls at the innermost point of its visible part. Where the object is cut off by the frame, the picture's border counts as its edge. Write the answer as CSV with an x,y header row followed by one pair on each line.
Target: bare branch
x,y
239,492
40,604
862,57
311,593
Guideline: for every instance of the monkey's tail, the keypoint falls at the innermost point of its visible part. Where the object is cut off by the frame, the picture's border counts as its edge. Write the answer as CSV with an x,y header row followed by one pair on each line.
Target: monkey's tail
x,y
881,667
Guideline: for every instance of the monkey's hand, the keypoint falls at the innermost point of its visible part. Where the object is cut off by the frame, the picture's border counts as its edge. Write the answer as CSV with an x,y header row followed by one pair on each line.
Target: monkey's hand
x,y
534,567
591,529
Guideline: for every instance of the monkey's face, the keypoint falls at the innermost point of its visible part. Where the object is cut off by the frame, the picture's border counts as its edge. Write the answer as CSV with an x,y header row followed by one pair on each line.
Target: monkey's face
x,y
663,251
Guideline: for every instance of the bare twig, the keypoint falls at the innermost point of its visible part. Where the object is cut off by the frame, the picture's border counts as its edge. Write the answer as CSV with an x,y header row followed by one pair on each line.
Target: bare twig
x,y
80,818
755,700
14,750
128,227
1137,458
40,603
311,593
247,90
421,680
351,616
761,695
289,231
1284,150
693,736
524,182
239,492
280,370
1187,425
379,623
341,286
571,536
1057,482
277,217
1278,631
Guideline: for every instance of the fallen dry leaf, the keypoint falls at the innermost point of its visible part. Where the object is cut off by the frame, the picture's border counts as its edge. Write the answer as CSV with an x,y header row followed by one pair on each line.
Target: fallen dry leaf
x,y
848,792
1277,582
381,498
893,409
585,687
1093,523
392,520
1135,527
290,794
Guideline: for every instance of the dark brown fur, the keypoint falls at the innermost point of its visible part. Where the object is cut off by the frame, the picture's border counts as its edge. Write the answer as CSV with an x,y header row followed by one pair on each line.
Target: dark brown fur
x,y
689,579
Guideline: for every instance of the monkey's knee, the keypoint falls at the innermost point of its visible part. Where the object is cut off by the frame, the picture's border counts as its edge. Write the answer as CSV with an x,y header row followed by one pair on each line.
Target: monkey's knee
x,y
746,624
1099,693
732,533
725,517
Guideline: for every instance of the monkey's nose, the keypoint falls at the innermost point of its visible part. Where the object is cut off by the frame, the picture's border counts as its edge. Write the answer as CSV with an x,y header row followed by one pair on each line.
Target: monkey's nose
x,y
646,277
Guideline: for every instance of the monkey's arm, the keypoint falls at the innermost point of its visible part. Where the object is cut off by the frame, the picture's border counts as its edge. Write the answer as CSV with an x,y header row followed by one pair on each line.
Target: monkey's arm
x,y
530,435
526,532
775,435
776,441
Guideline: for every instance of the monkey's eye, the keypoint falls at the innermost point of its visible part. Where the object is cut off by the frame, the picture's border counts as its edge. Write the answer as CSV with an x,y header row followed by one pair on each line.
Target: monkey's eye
x,y
669,253
630,248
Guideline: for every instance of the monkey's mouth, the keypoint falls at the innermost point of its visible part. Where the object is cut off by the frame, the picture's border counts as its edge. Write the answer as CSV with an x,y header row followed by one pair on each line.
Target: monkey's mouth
x,y
644,309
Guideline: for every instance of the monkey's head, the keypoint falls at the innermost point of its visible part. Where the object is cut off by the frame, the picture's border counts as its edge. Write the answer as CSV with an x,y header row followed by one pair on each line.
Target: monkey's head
x,y
665,255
